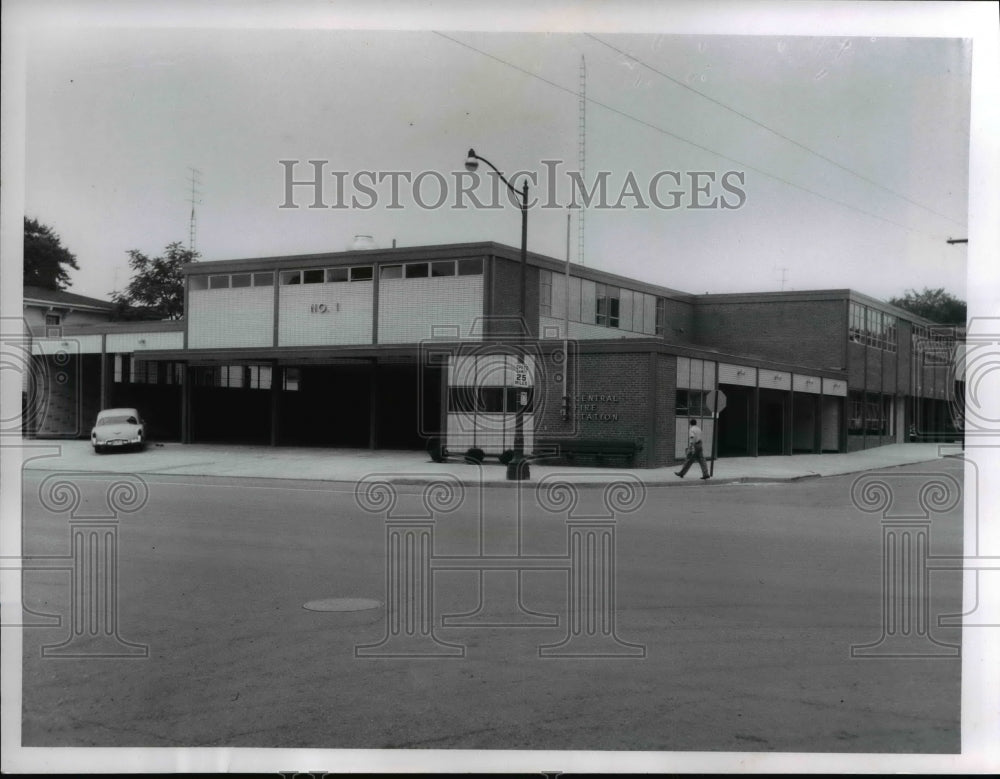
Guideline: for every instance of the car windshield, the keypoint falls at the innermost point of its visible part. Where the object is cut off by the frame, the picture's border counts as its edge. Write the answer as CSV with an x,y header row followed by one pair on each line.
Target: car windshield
x,y
117,420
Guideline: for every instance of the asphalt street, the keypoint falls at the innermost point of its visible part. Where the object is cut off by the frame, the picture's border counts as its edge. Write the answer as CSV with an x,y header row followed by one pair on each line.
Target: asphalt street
x,y
746,598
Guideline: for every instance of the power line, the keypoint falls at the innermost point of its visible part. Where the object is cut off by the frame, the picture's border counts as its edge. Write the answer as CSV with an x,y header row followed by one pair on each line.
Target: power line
x,y
769,129
663,131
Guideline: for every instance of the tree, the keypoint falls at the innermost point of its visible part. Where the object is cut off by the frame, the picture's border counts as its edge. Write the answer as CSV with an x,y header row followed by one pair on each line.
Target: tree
x,y
934,304
156,290
46,260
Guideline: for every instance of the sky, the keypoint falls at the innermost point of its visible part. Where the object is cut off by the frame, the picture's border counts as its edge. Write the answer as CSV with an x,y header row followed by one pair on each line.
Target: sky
x,y
847,155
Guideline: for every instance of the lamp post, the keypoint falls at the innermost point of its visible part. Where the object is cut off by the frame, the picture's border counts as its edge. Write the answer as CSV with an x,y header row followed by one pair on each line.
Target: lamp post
x,y
517,469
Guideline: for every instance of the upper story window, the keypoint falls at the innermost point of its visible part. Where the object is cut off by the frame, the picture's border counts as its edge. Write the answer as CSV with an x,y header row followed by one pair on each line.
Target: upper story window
x,y
53,319
434,270
326,275
872,327
600,304
231,280
934,344
607,305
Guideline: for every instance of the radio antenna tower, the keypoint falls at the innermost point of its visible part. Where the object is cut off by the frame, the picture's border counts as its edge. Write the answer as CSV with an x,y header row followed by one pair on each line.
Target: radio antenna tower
x,y
582,153
195,193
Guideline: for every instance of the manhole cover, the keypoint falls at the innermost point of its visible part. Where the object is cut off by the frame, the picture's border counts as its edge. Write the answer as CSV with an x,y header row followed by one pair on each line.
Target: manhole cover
x,y
342,604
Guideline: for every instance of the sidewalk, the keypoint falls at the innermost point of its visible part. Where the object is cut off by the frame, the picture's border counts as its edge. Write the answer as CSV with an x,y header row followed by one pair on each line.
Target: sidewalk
x,y
401,467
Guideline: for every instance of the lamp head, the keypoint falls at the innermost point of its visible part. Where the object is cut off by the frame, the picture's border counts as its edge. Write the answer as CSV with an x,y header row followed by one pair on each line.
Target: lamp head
x,y
472,162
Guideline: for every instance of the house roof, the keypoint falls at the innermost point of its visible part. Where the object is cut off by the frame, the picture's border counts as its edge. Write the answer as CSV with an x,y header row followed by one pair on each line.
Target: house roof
x,y
62,299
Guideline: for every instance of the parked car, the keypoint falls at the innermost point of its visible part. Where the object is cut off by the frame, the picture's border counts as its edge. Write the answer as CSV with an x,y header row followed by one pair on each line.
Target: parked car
x,y
118,428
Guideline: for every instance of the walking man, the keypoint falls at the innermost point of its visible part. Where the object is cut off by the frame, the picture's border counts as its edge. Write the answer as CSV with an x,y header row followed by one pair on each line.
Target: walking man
x,y
695,451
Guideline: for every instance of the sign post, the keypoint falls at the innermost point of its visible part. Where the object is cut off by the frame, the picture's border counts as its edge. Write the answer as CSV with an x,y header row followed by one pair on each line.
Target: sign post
x,y
715,401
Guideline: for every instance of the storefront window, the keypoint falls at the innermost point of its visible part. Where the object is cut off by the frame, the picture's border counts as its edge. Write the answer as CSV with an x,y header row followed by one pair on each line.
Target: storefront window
x,y
491,400
691,403
545,293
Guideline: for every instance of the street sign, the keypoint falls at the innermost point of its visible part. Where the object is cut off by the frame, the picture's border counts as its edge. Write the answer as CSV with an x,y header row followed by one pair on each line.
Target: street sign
x,y
715,401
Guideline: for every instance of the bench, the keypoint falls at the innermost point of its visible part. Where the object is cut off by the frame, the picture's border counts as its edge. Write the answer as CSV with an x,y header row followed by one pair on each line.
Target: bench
x,y
597,450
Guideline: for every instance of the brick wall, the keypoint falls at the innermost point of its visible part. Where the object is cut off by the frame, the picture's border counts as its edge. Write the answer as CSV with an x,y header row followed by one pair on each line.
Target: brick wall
x,y
666,420
807,333
505,295
612,400
904,359
679,321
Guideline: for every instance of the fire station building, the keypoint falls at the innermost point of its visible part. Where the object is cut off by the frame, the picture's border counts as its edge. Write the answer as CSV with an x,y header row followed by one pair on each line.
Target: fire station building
x,y
390,348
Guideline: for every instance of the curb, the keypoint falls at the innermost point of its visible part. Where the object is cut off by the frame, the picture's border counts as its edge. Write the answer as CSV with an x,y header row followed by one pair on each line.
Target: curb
x,y
403,481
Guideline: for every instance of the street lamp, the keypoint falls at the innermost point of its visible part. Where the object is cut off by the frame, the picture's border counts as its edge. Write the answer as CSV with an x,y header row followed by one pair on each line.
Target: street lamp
x,y
517,468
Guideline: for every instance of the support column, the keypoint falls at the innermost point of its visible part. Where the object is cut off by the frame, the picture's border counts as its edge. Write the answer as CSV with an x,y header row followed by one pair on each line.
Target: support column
x,y
186,397
373,404
275,403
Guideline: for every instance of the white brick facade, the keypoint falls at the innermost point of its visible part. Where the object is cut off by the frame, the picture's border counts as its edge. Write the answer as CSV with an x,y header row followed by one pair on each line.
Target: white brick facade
x,y
410,309
230,317
326,314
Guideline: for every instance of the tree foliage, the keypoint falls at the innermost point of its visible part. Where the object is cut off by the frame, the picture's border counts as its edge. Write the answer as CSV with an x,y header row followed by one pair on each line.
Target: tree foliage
x,y
934,304
46,260
156,290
